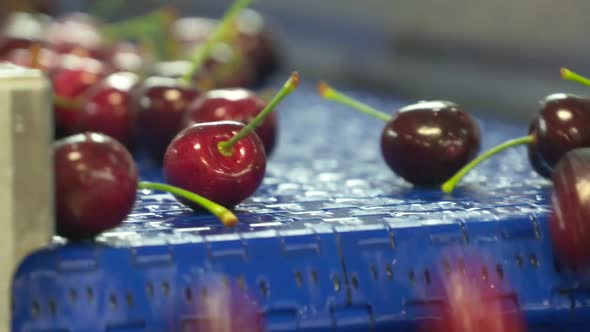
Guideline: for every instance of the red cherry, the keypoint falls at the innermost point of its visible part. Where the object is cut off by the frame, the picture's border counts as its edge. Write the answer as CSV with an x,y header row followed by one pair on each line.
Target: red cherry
x,y
223,161
193,162
96,184
472,306
239,105
109,111
570,208
161,103
424,143
70,83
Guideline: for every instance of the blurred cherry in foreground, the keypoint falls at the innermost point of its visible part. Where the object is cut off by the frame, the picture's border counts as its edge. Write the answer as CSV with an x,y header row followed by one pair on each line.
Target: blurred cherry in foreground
x,y
474,302
570,208
225,307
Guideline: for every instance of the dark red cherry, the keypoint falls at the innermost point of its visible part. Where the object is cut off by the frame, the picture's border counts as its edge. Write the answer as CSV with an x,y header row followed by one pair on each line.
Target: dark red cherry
x,y
109,111
239,105
72,83
95,184
570,208
194,162
563,124
427,142
161,104
424,143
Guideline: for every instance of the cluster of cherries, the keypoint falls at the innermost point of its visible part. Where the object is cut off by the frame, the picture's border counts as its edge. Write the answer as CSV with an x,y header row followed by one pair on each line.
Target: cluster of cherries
x,y
435,143
187,104
185,100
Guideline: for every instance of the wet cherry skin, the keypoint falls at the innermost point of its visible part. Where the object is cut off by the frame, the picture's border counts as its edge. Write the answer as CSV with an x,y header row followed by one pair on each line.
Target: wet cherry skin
x,y
236,104
95,184
569,223
427,142
161,104
563,124
194,162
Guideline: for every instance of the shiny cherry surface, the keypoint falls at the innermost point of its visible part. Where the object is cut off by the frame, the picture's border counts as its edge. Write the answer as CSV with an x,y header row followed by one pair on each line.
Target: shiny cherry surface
x,y
427,142
95,184
161,103
109,111
570,208
193,162
239,105
563,124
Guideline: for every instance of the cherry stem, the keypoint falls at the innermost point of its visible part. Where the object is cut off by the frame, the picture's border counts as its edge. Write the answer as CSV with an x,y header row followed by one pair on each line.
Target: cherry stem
x,y
226,216
220,31
327,92
567,74
450,184
35,56
226,147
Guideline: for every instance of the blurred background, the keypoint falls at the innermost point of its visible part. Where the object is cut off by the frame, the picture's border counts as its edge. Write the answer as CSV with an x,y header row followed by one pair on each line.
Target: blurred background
x,y
497,56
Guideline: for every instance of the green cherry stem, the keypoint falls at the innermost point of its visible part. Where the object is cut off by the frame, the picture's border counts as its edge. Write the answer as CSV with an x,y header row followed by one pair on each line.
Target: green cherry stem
x,y
327,92
218,34
226,216
567,74
450,184
226,147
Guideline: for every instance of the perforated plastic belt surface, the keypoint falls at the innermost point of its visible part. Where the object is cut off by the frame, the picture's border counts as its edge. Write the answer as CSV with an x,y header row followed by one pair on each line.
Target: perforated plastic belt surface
x,y
333,240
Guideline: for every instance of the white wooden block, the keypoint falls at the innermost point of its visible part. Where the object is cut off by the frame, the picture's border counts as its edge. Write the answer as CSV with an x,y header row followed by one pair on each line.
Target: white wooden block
x,y
26,172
